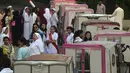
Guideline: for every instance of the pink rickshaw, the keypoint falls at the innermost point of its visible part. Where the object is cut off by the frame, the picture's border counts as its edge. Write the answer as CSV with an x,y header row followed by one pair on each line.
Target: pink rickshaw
x,y
92,56
96,25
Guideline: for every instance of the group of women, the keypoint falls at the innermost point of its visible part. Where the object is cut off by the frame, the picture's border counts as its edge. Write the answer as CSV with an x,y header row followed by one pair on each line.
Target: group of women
x,y
77,36
48,17
42,42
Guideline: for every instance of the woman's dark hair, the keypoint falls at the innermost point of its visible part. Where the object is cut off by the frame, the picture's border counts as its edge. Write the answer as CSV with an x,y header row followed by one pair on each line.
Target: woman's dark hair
x,y
44,30
85,38
6,13
77,33
33,27
6,62
54,28
71,28
23,40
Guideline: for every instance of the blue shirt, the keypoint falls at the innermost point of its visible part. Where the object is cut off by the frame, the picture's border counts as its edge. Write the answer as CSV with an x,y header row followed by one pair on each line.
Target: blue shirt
x,y
23,53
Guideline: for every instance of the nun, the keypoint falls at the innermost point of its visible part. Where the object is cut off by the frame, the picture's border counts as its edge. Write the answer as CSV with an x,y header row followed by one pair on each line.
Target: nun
x,y
37,46
47,16
26,16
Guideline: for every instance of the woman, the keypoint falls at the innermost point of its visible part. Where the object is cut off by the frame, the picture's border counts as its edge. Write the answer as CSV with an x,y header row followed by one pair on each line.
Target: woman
x,y
47,15
37,47
43,28
78,35
4,33
36,30
23,52
17,30
26,16
8,22
88,36
52,39
70,35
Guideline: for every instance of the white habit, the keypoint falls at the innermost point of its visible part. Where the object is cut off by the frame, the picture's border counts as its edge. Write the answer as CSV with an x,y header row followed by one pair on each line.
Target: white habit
x,y
37,47
47,15
118,14
26,24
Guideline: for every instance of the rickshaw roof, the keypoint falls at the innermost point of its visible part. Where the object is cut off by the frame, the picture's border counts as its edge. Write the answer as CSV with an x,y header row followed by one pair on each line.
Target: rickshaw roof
x,y
93,15
91,44
46,59
113,33
94,22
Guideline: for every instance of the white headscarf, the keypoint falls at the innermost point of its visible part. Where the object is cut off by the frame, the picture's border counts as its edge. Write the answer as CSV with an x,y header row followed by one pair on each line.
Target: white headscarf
x,y
38,43
4,29
47,14
9,7
54,9
3,35
24,11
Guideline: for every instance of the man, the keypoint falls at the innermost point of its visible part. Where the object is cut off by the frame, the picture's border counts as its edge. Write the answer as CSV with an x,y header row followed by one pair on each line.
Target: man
x,y
101,9
70,36
8,49
54,18
119,15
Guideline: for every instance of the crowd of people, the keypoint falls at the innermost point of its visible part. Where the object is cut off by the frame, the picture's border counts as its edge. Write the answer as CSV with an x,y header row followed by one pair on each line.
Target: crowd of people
x,y
34,32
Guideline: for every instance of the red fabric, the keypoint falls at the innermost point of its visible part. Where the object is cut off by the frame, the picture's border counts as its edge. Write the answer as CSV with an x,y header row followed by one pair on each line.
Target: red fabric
x,y
54,44
42,18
